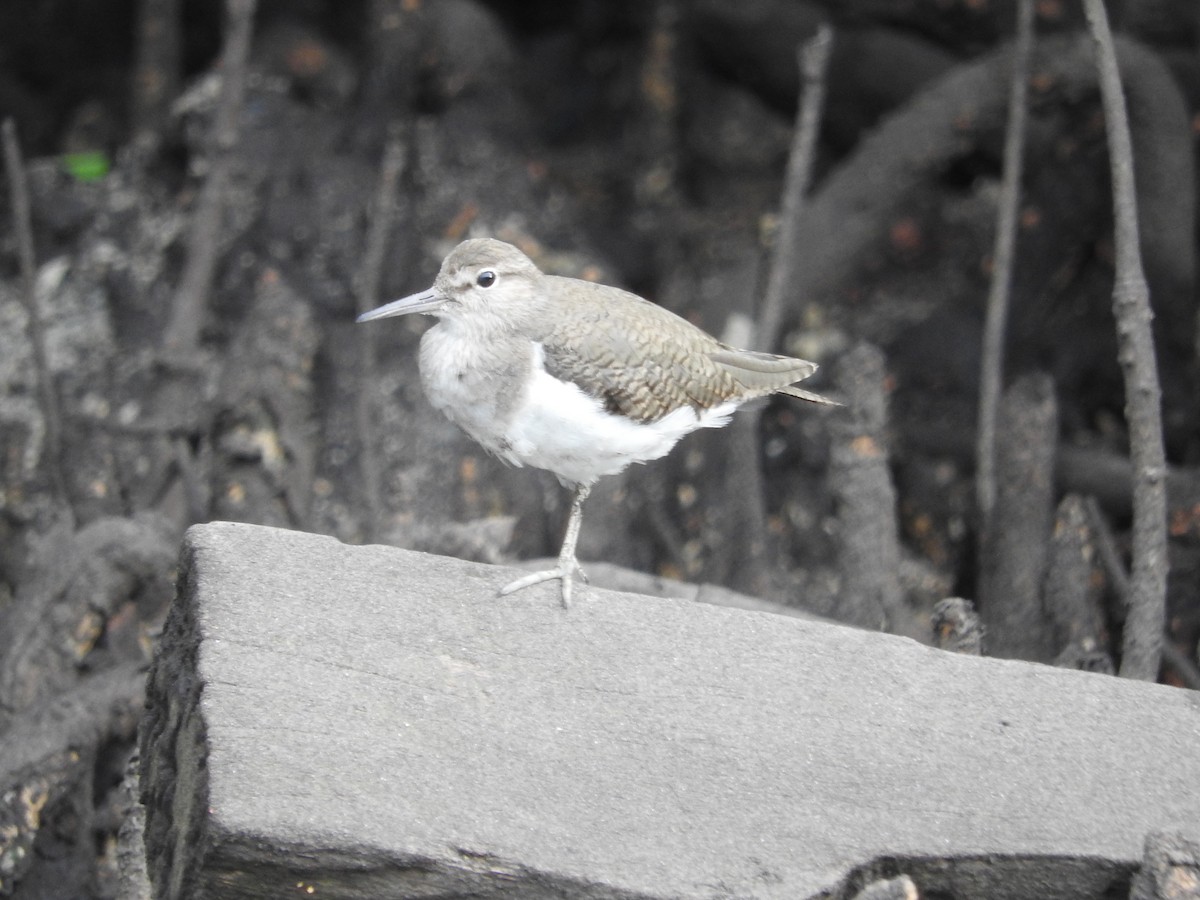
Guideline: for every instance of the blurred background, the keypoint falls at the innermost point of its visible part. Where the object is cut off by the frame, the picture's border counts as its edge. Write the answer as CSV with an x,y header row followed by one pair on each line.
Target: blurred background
x,y
210,203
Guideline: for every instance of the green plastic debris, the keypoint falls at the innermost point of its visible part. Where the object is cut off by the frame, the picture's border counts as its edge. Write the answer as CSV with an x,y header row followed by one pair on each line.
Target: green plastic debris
x,y
91,165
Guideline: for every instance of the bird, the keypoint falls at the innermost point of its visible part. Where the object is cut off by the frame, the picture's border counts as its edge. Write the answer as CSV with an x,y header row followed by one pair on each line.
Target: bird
x,y
578,378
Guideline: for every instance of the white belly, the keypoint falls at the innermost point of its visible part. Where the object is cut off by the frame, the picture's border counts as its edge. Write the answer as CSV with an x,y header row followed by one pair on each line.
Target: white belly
x,y
558,427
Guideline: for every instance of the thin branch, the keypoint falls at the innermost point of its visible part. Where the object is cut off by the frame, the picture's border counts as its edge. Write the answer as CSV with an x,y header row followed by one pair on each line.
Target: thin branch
x,y
813,58
1181,663
390,169
745,485
47,395
996,325
196,487
187,310
1143,635
1118,579
395,155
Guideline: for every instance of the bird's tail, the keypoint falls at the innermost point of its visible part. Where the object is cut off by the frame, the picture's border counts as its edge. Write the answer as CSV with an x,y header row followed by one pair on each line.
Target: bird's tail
x,y
767,373
802,394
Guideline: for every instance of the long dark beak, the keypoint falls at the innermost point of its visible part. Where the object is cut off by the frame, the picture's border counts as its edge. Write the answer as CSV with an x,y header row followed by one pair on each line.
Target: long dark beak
x,y
424,302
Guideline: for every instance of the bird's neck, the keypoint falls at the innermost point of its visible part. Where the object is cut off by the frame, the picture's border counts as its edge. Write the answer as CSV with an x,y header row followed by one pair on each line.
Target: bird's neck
x,y
474,352
476,377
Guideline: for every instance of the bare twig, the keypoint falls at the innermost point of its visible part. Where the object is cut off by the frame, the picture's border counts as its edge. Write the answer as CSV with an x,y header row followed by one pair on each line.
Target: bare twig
x,y
47,395
1143,634
1118,579
813,58
196,488
1181,663
187,310
390,169
394,155
995,327
746,500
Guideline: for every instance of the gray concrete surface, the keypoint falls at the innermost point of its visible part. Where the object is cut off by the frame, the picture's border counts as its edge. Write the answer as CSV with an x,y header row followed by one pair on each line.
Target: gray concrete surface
x,y
334,721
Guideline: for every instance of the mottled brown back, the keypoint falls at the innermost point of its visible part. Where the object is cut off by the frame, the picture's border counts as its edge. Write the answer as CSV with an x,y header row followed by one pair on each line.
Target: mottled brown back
x,y
643,361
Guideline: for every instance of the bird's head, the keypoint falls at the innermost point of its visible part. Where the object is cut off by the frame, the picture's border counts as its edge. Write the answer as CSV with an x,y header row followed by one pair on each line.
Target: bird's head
x,y
483,283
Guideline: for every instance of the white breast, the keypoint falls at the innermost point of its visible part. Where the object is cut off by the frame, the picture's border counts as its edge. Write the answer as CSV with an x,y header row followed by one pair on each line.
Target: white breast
x,y
474,380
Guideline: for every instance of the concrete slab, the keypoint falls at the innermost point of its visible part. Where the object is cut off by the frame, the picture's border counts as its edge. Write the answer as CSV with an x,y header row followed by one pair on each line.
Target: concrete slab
x,y
334,721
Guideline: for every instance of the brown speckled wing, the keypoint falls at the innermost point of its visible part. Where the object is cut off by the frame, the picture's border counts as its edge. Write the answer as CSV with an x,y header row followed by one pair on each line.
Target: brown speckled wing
x,y
643,361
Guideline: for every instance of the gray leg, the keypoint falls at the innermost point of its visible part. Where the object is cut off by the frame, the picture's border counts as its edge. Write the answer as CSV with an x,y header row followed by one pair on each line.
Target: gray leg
x,y
568,565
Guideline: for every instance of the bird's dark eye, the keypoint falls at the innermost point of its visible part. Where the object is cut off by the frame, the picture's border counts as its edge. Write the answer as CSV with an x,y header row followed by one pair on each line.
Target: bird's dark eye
x,y
486,279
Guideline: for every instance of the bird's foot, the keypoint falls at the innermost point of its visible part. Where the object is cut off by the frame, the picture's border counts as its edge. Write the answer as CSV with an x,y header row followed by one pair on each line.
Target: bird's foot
x,y
565,572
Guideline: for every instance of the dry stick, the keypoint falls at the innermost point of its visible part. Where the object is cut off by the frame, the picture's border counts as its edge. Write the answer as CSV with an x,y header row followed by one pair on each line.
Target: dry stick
x,y
187,310
196,488
813,58
47,395
1109,556
996,325
394,155
1143,636
1187,670
746,477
